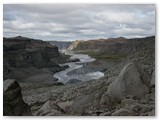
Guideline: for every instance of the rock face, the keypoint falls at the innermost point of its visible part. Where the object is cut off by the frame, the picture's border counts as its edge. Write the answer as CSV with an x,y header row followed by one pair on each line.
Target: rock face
x,y
129,82
13,104
20,52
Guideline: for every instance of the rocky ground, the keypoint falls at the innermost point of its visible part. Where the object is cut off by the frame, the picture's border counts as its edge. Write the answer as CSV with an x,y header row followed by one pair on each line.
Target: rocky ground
x,y
131,96
127,89
99,97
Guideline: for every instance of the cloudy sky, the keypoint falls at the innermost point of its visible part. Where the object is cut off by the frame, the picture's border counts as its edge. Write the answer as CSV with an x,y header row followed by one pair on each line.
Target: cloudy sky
x,y
78,21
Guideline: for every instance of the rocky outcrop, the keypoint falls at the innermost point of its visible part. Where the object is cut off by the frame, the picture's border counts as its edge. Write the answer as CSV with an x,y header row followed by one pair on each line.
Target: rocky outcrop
x,y
50,109
29,52
13,104
129,82
20,52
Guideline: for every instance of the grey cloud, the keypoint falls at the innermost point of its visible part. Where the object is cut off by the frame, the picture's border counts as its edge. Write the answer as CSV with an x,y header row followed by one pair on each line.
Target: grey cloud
x,y
78,21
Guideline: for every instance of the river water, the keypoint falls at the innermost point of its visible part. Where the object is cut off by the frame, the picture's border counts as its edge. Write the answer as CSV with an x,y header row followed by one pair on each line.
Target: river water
x,y
63,77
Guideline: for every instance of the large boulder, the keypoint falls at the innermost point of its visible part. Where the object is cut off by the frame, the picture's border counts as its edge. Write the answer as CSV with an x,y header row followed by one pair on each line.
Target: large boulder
x,y
132,81
13,104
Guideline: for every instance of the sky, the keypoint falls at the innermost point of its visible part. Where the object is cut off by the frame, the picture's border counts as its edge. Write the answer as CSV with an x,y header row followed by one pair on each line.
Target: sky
x,y
69,22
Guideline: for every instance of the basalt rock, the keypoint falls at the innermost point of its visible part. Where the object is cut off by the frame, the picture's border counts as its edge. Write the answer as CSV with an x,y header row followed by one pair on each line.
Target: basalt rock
x,y
21,52
13,104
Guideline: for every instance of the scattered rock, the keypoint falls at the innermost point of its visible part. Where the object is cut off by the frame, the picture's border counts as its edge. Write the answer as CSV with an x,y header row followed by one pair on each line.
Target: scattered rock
x,y
50,109
141,108
127,102
129,82
13,104
65,105
82,104
123,112
150,97
105,114
107,101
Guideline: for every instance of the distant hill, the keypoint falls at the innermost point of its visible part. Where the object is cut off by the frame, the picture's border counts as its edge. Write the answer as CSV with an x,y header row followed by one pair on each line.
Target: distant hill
x,y
119,45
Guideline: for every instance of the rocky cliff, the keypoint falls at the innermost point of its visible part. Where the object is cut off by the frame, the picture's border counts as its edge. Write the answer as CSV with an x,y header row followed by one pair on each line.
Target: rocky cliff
x,y
24,52
20,52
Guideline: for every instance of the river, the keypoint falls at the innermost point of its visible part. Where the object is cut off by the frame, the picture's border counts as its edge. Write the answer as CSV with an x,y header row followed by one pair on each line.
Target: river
x,y
63,77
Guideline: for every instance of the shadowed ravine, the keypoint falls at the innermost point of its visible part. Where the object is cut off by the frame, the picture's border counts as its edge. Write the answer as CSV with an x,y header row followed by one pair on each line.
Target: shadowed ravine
x,y
63,77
